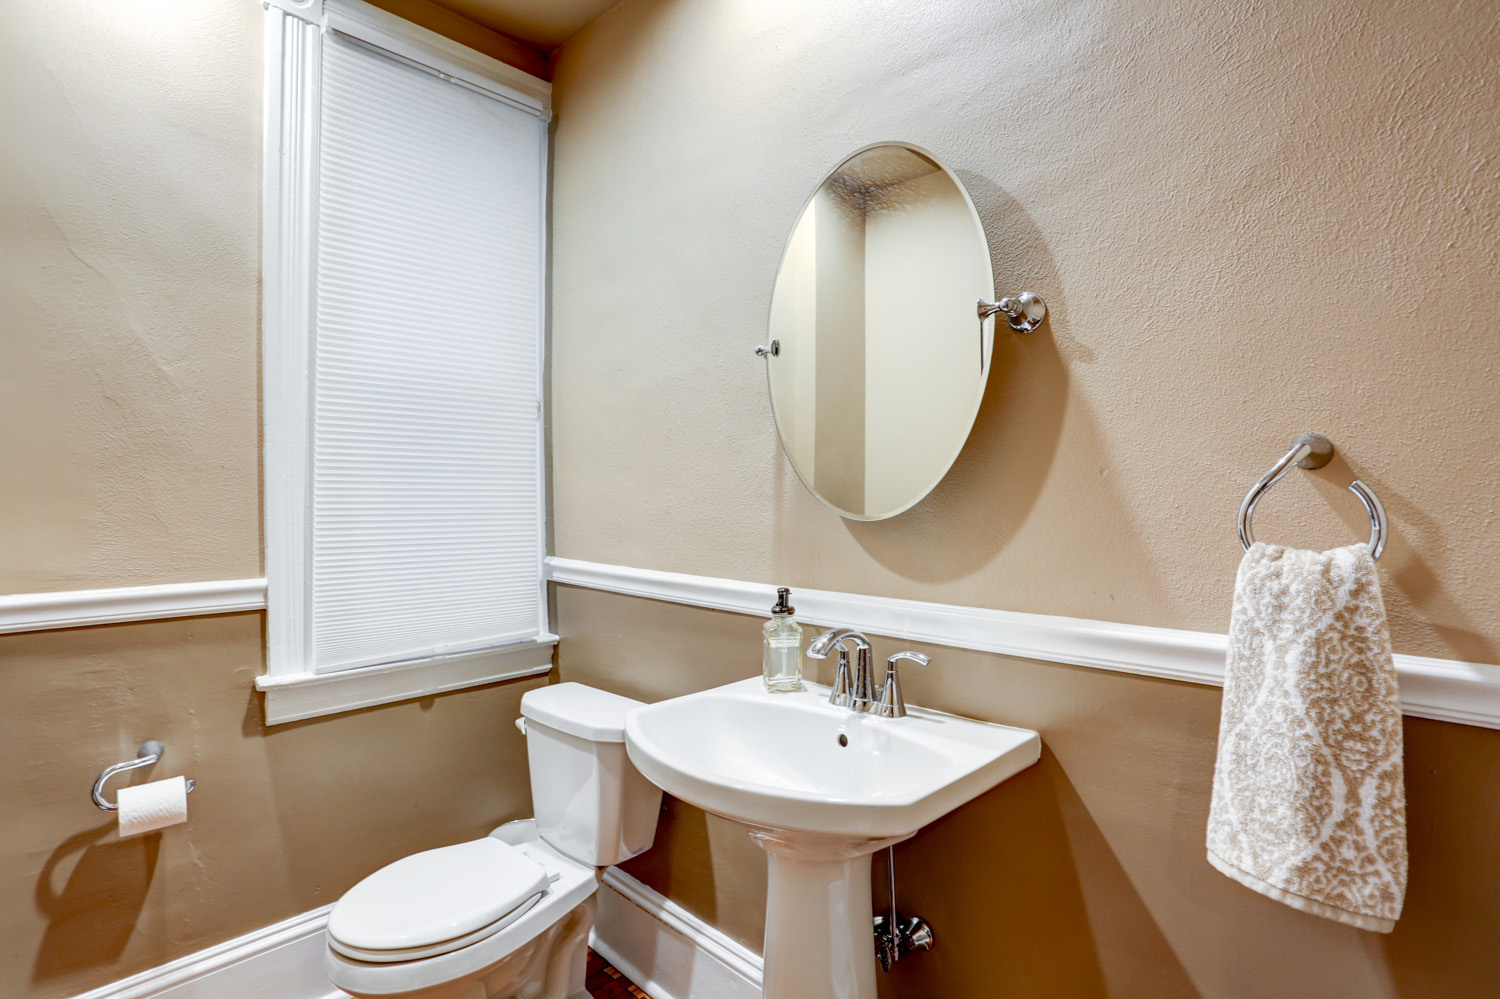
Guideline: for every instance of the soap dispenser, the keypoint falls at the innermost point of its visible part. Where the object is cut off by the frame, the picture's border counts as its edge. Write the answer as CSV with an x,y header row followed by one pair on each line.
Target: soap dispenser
x,y
782,666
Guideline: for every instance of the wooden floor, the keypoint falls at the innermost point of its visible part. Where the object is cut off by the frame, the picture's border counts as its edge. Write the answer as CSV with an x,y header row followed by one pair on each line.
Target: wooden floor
x,y
605,982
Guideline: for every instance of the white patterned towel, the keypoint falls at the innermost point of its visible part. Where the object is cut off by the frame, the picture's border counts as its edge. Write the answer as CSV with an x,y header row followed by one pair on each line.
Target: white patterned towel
x,y
1309,804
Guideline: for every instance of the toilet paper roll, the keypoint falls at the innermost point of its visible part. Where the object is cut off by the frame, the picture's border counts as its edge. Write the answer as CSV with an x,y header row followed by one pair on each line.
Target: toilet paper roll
x,y
144,807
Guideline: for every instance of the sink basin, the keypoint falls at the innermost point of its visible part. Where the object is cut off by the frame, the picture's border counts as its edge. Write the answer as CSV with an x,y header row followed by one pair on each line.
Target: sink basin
x,y
821,789
795,762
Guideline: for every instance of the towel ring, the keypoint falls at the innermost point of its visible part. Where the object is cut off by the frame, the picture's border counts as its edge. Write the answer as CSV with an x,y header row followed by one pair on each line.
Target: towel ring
x,y
1313,451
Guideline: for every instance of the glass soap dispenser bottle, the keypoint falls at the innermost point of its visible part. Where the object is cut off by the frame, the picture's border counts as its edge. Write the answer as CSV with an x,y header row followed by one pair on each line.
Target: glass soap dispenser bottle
x,y
782,666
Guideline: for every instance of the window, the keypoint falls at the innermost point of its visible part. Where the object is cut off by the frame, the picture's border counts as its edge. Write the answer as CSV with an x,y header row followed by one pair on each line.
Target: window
x,y
403,338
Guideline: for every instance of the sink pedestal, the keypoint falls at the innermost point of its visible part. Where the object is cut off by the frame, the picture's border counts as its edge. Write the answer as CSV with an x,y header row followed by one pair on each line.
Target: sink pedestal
x,y
819,938
786,764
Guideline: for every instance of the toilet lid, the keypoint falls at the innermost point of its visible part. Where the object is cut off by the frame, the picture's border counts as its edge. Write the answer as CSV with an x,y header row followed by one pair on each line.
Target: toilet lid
x,y
433,950
436,896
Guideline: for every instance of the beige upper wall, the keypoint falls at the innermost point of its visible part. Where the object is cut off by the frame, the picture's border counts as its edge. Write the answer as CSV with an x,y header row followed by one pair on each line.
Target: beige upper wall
x,y
1249,222
130,196
130,200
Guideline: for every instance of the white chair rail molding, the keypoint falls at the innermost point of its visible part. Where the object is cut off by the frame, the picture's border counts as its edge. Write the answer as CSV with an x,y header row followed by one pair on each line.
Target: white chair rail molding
x,y
1443,689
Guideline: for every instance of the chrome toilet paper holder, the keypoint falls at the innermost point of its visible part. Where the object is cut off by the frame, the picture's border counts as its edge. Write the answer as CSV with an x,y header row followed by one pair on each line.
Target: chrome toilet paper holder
x,y
149,753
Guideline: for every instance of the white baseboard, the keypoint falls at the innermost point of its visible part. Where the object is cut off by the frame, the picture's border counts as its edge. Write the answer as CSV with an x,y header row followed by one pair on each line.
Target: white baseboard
x,y
666,950
656,943
1444,689
281,961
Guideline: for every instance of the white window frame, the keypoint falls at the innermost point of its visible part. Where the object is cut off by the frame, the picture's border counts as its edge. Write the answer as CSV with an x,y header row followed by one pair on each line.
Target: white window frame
x,y
295,30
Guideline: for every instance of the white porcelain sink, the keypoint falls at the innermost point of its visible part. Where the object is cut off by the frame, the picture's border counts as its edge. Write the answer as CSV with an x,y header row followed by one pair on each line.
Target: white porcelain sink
x,y
796,762
821,788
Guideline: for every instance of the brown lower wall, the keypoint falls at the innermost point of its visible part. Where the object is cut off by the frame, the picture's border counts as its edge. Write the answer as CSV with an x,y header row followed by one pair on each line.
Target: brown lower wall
x,y
282,821
1085,875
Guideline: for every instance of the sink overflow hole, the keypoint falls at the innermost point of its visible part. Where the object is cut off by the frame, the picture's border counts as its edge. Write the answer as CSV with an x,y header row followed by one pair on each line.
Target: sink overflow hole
x,y
843,739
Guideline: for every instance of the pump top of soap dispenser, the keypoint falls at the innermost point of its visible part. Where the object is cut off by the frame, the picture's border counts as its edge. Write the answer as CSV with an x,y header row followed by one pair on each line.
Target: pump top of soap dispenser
x,y
782,666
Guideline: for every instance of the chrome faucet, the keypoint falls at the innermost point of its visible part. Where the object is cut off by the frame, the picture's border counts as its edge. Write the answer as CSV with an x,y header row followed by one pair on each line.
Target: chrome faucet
x,y
842,694
862,693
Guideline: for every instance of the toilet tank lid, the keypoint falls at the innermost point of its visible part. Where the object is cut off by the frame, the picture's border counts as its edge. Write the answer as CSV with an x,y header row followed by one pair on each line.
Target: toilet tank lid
x,y
577,709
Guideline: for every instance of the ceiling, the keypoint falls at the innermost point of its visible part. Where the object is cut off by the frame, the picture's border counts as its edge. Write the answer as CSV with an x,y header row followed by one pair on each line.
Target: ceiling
x,y
542,24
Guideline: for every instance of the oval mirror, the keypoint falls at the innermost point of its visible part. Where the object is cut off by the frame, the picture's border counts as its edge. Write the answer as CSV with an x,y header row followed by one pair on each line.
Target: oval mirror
x,y
878,361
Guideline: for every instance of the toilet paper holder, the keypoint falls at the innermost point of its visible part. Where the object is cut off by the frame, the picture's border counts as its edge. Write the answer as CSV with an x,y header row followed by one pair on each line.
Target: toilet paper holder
x,y
149,753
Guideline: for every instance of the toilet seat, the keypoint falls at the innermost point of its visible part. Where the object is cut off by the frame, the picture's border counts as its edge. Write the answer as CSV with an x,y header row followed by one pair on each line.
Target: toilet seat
x,y
435,902
570,890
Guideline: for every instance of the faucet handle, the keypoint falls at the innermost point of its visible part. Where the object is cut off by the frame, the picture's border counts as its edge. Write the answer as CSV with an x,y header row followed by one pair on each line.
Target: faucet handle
x,y
892,704
840,694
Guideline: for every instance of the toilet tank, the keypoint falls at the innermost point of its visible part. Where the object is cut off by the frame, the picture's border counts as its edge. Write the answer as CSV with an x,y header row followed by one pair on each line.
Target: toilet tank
x,y
590,801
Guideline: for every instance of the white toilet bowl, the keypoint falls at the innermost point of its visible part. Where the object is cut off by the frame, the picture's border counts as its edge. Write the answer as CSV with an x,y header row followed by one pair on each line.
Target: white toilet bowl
x,y
507,916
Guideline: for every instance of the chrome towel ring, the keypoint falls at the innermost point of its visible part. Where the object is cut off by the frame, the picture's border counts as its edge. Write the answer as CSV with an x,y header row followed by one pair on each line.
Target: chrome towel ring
x,y
1313,451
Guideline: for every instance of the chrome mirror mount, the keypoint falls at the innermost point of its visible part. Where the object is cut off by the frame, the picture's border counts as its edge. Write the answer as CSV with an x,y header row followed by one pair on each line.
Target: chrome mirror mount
x,y
1024,312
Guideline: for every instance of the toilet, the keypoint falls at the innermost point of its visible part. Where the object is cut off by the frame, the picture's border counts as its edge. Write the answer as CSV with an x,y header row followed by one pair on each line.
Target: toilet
x,y
507,916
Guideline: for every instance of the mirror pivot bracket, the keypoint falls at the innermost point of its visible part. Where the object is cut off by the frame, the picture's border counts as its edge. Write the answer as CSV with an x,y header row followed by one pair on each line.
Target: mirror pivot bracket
x,y
1024,312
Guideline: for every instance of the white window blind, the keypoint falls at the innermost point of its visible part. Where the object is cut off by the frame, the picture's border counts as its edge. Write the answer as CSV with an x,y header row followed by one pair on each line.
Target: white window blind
x,y
425,531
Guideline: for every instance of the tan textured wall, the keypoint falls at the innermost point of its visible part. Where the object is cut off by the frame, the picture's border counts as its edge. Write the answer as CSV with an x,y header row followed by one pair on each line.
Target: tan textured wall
x,y
1085,876
129,388
1249,220
130,201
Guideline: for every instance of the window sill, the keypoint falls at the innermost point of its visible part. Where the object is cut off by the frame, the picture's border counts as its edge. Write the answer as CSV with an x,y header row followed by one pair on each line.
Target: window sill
x,y
294,696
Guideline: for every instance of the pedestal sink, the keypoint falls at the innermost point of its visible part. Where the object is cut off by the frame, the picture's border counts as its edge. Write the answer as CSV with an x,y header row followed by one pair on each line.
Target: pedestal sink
x,y
821,789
